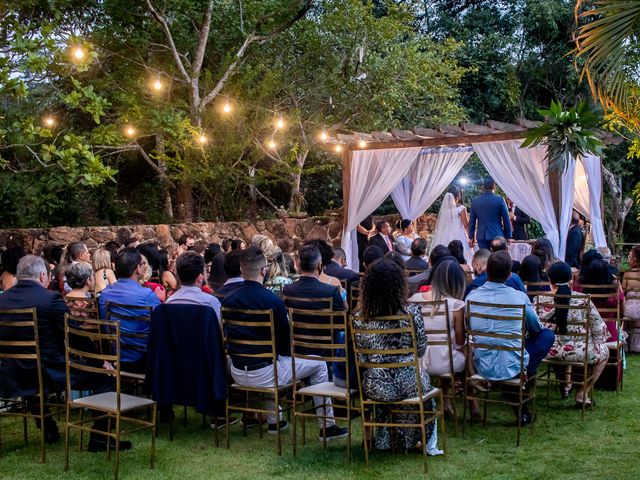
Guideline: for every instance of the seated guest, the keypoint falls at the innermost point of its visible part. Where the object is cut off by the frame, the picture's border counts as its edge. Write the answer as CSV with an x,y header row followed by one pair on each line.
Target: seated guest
x,y
370,255
382,238
256,372
448,284
232,270
286,245
80,278
383,294
217,275
598,280
74,252
395,257
103,273
263,242
145,281
19,378
543,244
238,244
338,267
573,349
9,260
631,280
128,291
190,268
575,241
456,250
499,244
326,252
502,364
131,242
532,271
52,254
166,276
404,240
417,281
185,243
479,263
113,248
210,253
416,260
278,273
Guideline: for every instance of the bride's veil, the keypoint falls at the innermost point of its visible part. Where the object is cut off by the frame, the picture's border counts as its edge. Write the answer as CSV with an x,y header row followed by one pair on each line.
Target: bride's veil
x,y
448,223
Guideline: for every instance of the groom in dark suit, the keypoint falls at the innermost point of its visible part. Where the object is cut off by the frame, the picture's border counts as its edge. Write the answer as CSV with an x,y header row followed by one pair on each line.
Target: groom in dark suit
x,y
489,211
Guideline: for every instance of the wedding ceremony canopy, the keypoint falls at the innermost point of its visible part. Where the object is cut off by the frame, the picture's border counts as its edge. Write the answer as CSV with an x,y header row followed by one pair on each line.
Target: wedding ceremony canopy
x,y
415,167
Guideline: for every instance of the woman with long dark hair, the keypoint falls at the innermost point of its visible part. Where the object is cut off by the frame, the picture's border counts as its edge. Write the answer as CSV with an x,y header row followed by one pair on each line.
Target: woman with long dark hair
x,y
571,348
532,270
383,293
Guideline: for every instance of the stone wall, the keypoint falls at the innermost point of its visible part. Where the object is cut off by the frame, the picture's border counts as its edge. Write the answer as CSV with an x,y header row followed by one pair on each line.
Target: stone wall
x,y
299,229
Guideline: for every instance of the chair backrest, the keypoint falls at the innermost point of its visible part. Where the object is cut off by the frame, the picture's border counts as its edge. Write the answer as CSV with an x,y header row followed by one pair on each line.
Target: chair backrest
x,y
319,335
437,326
249,334
535,286
509,319
354,297
377,331
322,303
600,294
83,307
410,272
81,335
581,324
135,323
19,340
344,284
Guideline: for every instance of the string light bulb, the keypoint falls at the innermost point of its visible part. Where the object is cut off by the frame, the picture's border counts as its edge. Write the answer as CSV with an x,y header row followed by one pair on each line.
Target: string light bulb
x,y
129,131
157,85
226,108
79,53
362,144
49,121
463,181
280,123
323,136
271,144
202,139
338,148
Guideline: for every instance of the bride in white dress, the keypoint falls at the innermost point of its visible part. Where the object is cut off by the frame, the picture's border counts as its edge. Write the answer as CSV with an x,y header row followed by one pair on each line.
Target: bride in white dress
x,y
452,224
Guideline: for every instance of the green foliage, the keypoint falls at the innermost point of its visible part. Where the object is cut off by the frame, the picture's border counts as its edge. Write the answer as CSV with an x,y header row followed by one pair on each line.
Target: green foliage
x,y
568,134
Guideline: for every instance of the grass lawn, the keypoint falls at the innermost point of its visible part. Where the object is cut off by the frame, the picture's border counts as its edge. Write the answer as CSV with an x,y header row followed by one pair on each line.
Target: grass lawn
x,y
604,445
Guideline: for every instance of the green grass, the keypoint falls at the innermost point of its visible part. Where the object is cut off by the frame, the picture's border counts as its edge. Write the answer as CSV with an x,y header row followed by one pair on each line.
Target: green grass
x,y
604,445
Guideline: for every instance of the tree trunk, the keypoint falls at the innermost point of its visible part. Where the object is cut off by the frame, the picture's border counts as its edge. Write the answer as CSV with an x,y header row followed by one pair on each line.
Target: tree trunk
x,y
167,204
617,207
253,194
184,201
296,199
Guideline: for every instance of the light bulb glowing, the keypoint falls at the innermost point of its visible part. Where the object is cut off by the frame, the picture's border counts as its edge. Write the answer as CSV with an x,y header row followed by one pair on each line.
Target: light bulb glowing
x,y
79,53
226,108
463,181
280,123
202,139
49,121
157,85
271,144
323,136
338,148
129,131
362,144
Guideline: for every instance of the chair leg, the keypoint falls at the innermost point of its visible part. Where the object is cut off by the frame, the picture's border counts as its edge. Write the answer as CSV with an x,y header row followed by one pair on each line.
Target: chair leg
x,y
153,437
226,423
424,441
293,426
117,466
348,402
25,434
465,402
66,438
277,413
454,406
81,430
443,426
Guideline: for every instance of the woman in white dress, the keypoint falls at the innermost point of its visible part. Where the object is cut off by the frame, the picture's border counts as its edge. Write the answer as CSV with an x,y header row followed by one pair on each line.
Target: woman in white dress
x,y
452,224
403,241
448,284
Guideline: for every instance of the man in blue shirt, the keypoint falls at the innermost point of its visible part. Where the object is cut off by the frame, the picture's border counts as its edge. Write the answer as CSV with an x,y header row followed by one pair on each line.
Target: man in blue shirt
x,y
479,264
501,364
258,372
128,291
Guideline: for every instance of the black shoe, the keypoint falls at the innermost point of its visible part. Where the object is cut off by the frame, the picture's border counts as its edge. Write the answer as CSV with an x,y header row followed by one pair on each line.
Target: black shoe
x,y
333,432
526,418
272,429
101,445
51,436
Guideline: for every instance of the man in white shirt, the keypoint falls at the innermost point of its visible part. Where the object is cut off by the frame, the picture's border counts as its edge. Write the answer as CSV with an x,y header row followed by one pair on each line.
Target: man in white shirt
x,y
190,268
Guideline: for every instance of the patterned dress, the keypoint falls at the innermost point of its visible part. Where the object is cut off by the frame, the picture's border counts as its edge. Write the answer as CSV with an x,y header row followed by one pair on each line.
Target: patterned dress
x,y
572,348
388,385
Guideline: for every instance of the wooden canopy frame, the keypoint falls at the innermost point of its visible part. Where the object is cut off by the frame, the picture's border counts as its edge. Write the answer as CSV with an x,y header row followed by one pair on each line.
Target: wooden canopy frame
x,y
446,136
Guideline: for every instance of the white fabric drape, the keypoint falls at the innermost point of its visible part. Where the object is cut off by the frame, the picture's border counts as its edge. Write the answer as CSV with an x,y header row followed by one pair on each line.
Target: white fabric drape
x,y
593,170
521,173
581,190
567,181
434,170
374,175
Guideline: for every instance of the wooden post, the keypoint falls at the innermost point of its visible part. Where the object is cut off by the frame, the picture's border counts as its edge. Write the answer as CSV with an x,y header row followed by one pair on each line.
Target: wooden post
x,y
555,186
347,157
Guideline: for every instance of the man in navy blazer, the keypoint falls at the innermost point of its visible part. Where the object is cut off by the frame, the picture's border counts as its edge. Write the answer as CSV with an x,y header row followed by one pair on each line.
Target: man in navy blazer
x,y
489,211
337,267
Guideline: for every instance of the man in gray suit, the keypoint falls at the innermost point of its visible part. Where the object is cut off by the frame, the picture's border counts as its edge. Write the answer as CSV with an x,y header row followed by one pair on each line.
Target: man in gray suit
x,y
489,217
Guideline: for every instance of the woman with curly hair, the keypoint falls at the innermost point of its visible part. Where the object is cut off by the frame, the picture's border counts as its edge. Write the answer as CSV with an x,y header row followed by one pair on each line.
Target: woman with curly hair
x,y
384,292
